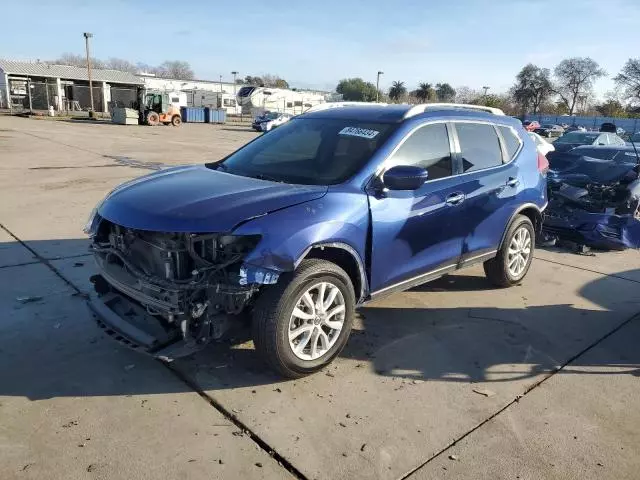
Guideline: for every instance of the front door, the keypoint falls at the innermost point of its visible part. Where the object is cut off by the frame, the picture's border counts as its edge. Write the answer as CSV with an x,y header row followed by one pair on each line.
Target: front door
x,y
415,233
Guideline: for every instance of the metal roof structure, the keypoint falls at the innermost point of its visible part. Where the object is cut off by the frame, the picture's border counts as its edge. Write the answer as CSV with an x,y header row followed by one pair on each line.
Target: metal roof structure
x,y
41,69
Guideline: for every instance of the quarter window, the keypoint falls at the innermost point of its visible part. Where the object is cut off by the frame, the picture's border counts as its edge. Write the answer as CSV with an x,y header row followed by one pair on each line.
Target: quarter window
x,y
511,141
479,146
427,147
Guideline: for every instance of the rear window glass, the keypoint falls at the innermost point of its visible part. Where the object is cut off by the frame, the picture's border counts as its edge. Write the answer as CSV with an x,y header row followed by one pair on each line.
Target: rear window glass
x,y
511,141
479,146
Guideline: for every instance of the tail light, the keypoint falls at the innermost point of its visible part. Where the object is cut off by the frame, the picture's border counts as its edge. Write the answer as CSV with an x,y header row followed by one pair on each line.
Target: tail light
x,y
543,164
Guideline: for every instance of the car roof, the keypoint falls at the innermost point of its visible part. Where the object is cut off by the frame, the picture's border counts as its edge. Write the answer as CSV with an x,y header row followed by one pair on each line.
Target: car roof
x,y
397,113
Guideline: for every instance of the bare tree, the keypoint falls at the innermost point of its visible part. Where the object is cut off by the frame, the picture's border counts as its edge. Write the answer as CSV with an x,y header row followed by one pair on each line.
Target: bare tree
x,y
76,61
629,80
466,95
574,80
121,64
175,69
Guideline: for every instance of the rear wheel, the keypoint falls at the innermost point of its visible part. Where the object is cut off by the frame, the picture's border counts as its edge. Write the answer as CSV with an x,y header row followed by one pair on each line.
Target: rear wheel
x,y
176,121
153,119
514,258
303,322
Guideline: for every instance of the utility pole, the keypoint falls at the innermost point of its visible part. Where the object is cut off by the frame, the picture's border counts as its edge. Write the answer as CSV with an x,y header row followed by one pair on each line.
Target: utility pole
x,y
87,36
486,89
378,85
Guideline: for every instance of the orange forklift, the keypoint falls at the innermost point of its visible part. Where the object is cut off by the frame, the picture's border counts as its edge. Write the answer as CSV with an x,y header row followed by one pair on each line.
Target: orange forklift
x,y
157,109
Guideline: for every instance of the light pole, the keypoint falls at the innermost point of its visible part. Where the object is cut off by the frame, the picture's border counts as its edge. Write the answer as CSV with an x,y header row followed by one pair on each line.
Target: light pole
x,y
378,85
234,73
87,36
486,89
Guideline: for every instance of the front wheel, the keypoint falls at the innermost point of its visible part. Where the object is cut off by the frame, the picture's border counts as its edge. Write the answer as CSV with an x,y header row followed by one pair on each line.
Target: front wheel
x,y
514,258
176,121
301,324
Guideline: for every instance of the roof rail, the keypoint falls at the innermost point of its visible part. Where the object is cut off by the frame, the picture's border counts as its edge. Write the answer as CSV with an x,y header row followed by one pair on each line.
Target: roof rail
x,y
423,107
328,105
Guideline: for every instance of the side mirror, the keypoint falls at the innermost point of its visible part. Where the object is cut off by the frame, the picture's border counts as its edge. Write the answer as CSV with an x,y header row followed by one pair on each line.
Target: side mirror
x,y
404,177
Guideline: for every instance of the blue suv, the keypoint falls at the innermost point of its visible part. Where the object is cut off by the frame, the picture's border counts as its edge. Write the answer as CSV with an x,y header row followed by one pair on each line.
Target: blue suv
x,y
293,231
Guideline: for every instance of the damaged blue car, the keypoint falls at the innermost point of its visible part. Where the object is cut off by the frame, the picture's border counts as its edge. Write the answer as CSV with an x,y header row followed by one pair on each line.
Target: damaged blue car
x,y
293,231
594,197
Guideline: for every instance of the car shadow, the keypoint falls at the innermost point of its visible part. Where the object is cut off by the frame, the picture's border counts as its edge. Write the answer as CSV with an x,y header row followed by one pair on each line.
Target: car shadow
x,y
52,348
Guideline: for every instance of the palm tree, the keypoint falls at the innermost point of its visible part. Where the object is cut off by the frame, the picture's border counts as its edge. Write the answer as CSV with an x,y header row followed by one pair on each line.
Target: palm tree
x,y
424,92
397,90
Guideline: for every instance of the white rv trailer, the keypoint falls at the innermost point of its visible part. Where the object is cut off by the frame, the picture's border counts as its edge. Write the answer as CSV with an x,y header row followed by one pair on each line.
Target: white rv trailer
x,y
254,100
205,98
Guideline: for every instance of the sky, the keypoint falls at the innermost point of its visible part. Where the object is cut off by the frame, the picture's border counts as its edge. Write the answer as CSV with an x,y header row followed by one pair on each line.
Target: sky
x,y
315,44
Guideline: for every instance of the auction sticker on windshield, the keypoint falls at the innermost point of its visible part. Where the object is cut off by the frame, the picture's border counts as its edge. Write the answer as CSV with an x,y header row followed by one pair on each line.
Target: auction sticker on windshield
x,y
358,132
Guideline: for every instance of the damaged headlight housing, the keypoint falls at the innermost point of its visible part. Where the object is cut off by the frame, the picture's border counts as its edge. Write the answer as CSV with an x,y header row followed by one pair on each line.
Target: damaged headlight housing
x,y
91,227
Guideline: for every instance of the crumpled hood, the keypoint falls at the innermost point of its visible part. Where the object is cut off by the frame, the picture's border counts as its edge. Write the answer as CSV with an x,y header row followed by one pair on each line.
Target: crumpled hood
x,y
198,199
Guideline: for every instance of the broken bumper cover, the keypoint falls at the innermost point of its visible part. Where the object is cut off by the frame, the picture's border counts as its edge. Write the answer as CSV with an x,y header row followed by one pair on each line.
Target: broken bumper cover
x,y
129,324
598,230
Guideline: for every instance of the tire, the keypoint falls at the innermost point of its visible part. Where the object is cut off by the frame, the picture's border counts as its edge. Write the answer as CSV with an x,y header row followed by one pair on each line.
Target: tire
x,y
273,317
153,119
176,121
497,269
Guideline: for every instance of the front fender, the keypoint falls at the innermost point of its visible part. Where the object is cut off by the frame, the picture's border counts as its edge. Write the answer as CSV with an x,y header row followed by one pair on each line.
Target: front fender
x,y
339,217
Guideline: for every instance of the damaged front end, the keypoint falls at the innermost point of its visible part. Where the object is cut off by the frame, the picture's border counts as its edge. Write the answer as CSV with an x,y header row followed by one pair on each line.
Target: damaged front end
x,y
170,294
603,216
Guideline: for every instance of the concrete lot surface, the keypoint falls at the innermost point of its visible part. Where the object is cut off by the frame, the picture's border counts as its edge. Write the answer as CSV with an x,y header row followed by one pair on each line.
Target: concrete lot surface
x,y
453,379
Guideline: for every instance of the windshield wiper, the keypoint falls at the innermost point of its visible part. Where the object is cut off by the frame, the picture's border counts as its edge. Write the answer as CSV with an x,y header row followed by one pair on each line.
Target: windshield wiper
x,y
261,176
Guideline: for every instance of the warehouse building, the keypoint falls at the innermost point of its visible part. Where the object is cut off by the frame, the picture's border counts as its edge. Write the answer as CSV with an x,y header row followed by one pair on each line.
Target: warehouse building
x,y
38,86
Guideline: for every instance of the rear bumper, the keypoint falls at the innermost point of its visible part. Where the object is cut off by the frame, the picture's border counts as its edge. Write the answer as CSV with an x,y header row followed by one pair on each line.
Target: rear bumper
x,y
129,324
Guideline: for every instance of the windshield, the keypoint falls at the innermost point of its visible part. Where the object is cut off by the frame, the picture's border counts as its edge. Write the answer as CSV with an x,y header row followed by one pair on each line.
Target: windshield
x,y
548,126
271,115
578,137
309,151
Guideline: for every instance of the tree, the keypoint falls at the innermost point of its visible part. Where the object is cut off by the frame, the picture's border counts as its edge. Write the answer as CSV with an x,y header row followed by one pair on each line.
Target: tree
x,y
397,91
629,80
574,80
175,69
255,81
357,90
273,81
533,87
424,92
611,108
445,92
120,64
466,95
77,61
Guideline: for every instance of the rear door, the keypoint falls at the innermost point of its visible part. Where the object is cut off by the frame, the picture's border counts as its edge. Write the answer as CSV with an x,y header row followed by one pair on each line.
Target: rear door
x,y
490,181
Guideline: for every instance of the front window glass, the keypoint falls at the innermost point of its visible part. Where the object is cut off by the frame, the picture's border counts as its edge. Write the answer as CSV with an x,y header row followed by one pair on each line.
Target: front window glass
x,y
309,151
427,147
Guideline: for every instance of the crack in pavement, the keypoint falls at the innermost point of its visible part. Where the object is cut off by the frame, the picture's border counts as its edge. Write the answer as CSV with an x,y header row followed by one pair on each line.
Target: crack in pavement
x,y
587,269
260,443
528,390
286,464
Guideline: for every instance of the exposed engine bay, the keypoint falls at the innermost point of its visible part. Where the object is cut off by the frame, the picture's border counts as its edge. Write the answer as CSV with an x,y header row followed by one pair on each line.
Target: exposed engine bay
x,y
602,215
172,287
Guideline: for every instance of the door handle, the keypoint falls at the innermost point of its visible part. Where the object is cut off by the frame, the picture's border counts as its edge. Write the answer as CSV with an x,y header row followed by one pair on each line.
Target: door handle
x,y
513,182
455,199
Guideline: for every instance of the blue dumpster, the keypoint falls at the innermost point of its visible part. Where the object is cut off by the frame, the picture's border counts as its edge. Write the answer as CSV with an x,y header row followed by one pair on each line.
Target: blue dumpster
x,y
192,114
214,115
